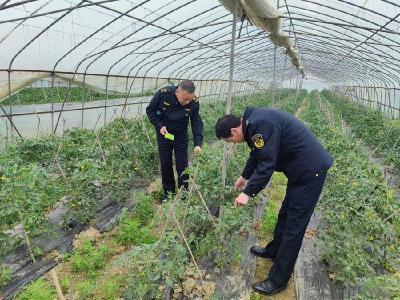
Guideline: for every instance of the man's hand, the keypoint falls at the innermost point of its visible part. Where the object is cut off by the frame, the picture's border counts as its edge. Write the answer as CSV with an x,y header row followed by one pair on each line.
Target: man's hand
x,y
163,130
197,150
241,200
240,183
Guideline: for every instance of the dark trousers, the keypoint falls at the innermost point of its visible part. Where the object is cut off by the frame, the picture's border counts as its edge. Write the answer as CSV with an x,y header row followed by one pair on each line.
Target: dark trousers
x,y
293,218
180,148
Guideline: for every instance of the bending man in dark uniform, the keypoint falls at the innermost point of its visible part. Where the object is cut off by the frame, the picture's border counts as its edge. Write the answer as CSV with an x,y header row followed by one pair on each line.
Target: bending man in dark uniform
x,y
279,142
169,111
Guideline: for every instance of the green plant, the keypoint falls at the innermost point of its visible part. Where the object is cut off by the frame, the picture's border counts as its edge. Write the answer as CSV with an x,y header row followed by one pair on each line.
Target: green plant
x,y
27,191
144,210
38,290
380,287
65,283
361,233
276,194
111,289
86,288
270,218
153,267
371,126
132,232
89,258
5,276
32,95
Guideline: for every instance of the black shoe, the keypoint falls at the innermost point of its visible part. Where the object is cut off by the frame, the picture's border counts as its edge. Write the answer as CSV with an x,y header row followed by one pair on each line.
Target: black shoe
x,y
261,252
266,287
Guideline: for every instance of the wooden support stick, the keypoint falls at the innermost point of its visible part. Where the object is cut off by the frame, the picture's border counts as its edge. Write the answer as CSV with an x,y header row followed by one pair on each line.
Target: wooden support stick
x,y
188,247
28,243
56,283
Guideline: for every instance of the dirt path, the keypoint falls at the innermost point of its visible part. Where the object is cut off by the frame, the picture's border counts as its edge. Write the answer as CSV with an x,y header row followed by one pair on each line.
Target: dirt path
x,y
262,268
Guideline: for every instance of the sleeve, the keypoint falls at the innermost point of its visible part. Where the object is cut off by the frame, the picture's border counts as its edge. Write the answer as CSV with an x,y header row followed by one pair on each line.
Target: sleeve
x,y
197,126
266,141
153,112
250,165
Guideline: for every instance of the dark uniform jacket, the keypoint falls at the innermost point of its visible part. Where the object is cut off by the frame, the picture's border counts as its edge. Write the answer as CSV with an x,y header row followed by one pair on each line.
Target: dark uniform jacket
x,y
282,143
165,110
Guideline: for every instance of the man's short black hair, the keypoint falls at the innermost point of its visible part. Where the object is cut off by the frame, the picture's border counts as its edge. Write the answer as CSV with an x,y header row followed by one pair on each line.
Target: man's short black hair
x,y
187,86
225,124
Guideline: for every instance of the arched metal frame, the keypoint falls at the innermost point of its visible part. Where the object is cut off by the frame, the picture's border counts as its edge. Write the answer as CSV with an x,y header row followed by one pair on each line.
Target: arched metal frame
x,y
348,46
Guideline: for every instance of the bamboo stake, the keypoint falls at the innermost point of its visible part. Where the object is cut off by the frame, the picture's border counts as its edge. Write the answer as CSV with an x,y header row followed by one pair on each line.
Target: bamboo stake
x,y
204,203
188,247
145,131
57,161
101,148
28,243
56,283
169,216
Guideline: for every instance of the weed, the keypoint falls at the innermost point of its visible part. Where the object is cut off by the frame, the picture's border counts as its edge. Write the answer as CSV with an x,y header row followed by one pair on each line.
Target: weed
x,y
5,276
88,258
132,232
38,290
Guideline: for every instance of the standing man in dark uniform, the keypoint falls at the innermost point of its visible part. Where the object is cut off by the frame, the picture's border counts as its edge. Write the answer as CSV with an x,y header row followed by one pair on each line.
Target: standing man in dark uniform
x,y
169,111
279,142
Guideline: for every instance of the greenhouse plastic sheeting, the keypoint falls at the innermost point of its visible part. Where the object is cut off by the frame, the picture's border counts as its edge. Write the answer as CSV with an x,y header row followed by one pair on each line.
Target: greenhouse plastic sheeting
x,y
269,19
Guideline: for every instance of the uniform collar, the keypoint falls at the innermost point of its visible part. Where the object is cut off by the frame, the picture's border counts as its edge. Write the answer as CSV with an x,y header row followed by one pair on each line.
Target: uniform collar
x,y
245,120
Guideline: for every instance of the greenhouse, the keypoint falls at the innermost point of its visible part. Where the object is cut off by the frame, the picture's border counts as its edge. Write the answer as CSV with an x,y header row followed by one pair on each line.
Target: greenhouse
x,y
199,149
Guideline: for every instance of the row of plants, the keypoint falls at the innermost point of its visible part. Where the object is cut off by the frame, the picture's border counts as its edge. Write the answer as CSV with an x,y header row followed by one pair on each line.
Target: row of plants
x,y
371,126
83,166
219,245
359,212
158,258
36,95
58,94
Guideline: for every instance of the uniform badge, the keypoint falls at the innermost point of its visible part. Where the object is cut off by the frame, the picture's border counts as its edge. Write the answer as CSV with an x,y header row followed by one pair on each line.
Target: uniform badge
x,y
258,141
164,90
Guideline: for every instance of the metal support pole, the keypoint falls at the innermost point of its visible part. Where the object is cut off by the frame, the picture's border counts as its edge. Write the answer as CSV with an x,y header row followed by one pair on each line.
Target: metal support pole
x,y
273,78
297,84
273,75
229,99
82,98
283,77
106,100
10,102
52,102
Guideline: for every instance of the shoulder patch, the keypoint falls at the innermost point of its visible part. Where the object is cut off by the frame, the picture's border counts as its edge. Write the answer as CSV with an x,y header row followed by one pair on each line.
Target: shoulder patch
x,y
164,90
258,141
